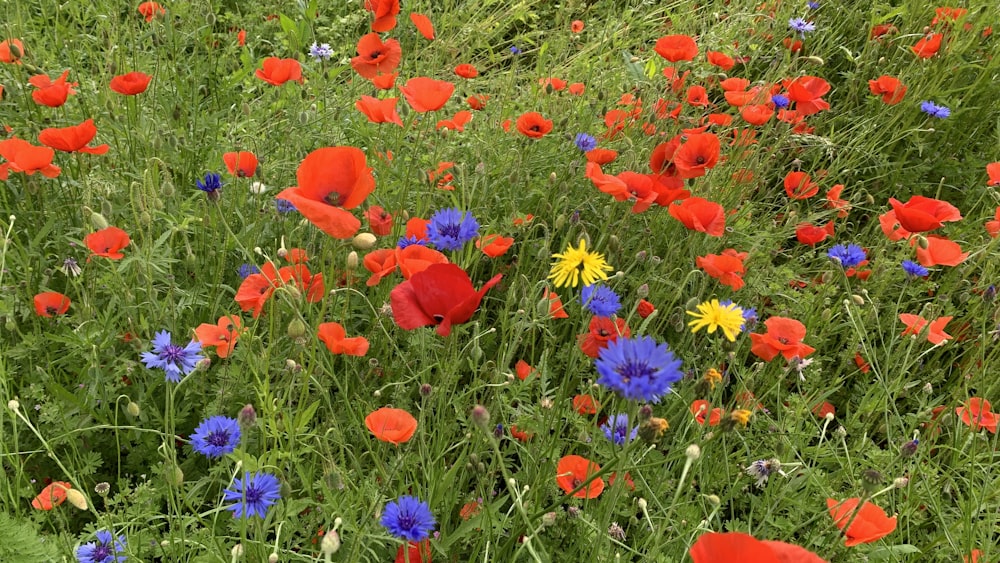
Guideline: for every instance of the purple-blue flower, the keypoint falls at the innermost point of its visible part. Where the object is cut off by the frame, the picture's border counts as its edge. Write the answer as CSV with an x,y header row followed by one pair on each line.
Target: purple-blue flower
x,y
408,518
284,206
914,270
847,255
638,368
802,26
253,494
600,300
450,229
104,550
934,110
616,429
780,101
585,142
320,52
211,184
174,360
216,436
245,270
410,241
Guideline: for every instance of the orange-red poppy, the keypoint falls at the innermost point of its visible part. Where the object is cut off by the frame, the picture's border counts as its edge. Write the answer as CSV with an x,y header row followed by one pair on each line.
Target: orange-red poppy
x,y
385,12
889,87
309,284
993,226
257,288
24,157
440,294
295,255
379,111
415,552
601,156
833,201
51,496
556,310
242,164
701,215
51,93
676,48
107,242
867,524
131,83
756,114
465,70
379,220
423,24
823,409
457,122
882,29
726,267
11,51
51,303
807,93
921,214
73,138
277,71
375,57
927,46
150,10
915,325
697,155
385,81
331,180
523,369
601,331
585,404
703,411
576,26
395,426
939,251
552,84
993,172
494,245
714,547
477,101
572,471
336,340
976,414
222,335
241,37
533,124
426,94
576,88
417,228
721,60
644,308
799,185
784,336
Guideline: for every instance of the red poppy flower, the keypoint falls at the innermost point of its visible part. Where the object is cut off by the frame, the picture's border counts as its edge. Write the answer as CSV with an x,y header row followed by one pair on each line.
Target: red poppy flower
x,y
426,94
869,524
310,285
799,185
573,471
477,101
222,335
793,45
51,496
823,409
440,295
972,557
379,220
331,180
385,12
73,138
552,84
456,123
601,156
713,547
939,252
395,426
976,414
915,325
24,157
833,201
523,369
241,37
423,25
533,124
385,81
107,242
375,57
859,361
585,404
702,411
277,71
921,214
335,338
150,10
576,88
51,303
556,310
257,288
417,552
806,92
602,330
676,48
11,51
466,70
417,228
379,111
726,267
927,46
993,227
993,171
644,309
889,87
576,26
784,336
131,83
757,114
241,164
51,93
697,155
701,215
494,245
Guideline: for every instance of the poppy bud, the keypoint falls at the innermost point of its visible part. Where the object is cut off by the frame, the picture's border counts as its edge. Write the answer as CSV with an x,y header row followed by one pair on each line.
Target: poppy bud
x,y
826,314
13,405
296,329
552,178
96,219
352,261
693,452
237,551
330,543
614,245
858,300
814,60
76,498
714,500
480,416
145,218
642,291
900,482
10,325
543,254
922,242
132,408
167,188
210,19
273,558
560,221
364,241
173,475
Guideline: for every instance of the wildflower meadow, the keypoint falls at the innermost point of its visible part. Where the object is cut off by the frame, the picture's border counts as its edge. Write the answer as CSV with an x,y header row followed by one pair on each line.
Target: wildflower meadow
x,y
491,281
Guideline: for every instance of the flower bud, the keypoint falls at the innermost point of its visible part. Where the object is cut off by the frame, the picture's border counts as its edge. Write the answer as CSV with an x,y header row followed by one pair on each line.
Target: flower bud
x,y
480,416
642,291
247,417
13,405
549,518
273,558
693,452
173,475
364,241
900,482
330,543
96,219
352,261
296,329
132,408
76,498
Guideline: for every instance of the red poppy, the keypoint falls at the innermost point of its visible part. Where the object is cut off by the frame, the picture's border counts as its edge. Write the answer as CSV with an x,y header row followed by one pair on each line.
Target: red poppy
x,y
51,496
757,114
466,70
523,369
277,71
697,155
576,88
331,180
889,87
585,404
456,123
131,83
417,552
51,303
552,84
921,214
222,335
576,26
833,201
440,295
823,409
417,228
242,164
793,45
799,185
726,267
927,46
11,51
107,242
150,10
494,245
375,57
257,288
806,92
395,426
241,37
423,25
309,284
976,415
602,330
703,411
868,525
714,547
644,309
859,361
784,336
385,81
572,471
556,310
385,12
699,214
379,220
24,157
73,138
993,227
972,557
335,338
477,101
426,94
533,124
993,171
915,325
676,48
51,93
939,251
379,111
601,156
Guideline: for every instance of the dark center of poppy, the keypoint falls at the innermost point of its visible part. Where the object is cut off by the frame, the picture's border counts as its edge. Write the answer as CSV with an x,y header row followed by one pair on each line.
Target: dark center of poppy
x,y
334,198
218,438
632,369
263,290
438,318
51,310
782,339
577,482
603,333
699,159
534,128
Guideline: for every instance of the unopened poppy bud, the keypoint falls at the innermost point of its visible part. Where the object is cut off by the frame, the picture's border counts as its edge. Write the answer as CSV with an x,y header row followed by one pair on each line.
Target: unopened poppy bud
x,y
246,108
858,300
167,188
900,482
173,475
714,500
132,408
237,551
290,365
560,221
826,314
614,245
330,543
247,417
552,178
643,504
480,416
96,219
364,241
303,118
352,261
922,242
76,498
296,329
273,558
818,61
642,291
377,393
210,19
693,452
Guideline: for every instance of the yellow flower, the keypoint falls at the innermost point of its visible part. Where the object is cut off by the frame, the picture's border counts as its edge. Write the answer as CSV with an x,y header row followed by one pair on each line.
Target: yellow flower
x,y
741,416
715,316
712,376
577,264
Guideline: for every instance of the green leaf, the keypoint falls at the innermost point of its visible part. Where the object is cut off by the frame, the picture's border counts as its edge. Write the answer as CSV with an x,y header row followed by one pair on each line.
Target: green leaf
x,y
883,553
302,421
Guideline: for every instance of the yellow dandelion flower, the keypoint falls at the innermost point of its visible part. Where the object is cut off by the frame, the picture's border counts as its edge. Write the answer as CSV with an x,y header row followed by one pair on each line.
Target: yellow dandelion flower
x,y
713,315
577,264
740,416
712,376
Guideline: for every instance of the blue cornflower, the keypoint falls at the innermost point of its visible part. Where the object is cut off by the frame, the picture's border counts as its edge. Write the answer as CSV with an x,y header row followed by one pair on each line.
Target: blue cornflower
x,y
585,142
450,229
320,52
410,241
600,300
847,255
914,270
514,50
934,110
253,494
284,206
408,518
616,429
104,550
780,101
812,5
216,436
210,185
245,270
638,368
171,358
802,26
